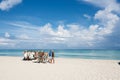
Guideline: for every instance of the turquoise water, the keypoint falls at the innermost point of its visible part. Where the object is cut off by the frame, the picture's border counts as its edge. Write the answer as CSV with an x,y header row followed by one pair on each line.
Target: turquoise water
x,y
72,53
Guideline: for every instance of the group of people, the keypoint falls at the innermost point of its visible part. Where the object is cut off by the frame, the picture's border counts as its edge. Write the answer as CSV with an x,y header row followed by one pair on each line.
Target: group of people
x,y
39,56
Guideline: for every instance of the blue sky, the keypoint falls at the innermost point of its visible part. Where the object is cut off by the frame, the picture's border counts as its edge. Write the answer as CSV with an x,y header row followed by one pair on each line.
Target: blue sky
x,y
81,24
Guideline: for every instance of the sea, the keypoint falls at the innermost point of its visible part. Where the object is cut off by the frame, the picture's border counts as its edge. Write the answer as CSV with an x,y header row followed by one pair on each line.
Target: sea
x,y
106,54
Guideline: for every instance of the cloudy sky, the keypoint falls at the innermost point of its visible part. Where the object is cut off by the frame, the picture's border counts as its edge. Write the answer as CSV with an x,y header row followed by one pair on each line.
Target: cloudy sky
x,y
60,24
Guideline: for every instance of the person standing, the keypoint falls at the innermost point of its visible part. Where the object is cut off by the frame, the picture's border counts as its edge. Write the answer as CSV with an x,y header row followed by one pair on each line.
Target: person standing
x,y
51,56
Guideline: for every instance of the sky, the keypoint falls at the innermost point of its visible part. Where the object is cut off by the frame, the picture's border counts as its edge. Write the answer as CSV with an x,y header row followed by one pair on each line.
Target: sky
x,y
59,24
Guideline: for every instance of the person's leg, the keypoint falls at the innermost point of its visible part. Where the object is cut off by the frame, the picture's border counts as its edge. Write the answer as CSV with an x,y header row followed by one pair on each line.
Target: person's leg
x,y
50,60
53,61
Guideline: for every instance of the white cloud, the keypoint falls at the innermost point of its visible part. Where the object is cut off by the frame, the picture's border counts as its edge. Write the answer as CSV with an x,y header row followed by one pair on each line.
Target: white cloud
x,y
96,34
70,35
108,20
23,37
83,37
101,3
111,5
7,35
27,35
46,29
67,36
87,16
23,25
7,43
61,32
7,4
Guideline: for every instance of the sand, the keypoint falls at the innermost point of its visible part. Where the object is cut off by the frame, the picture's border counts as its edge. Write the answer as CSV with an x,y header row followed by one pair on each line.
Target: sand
x,y
13,68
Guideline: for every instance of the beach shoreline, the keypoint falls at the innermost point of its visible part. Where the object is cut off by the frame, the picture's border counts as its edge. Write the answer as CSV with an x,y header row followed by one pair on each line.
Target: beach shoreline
x,y
14,68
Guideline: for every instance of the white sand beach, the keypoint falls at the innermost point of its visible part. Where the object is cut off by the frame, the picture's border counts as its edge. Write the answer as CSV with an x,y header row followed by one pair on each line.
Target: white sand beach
x,y
13,68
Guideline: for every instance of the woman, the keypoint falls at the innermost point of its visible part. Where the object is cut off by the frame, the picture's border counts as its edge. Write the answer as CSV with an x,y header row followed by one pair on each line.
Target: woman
x,y
40,57
51,55
26,57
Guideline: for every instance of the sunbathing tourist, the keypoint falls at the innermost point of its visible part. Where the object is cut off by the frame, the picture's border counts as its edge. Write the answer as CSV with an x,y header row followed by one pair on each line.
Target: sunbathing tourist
x,y
45,57
39,56
26,56
29,55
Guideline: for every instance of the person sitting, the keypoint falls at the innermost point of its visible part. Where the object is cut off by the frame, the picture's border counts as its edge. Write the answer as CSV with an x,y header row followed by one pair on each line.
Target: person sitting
x,y
39,57
35,55
25,55
45,57
31,55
